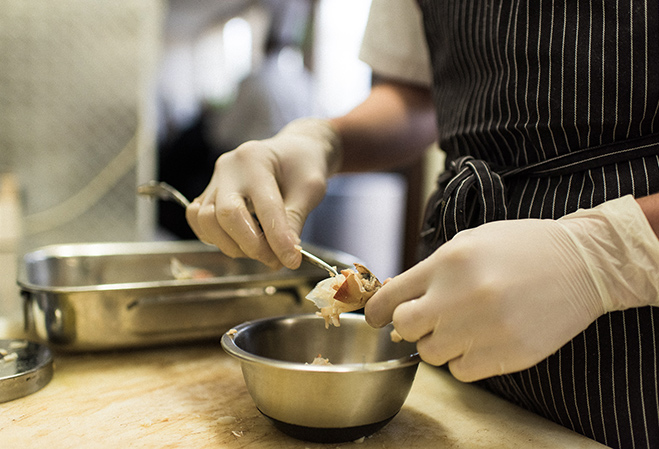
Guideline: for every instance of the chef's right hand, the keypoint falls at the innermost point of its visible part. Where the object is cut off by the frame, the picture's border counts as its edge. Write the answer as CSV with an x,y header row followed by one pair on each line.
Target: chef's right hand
x,y
261,193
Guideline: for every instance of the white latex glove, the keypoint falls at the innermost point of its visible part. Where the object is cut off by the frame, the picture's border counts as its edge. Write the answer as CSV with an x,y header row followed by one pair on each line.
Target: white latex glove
x,y
504,296
280,180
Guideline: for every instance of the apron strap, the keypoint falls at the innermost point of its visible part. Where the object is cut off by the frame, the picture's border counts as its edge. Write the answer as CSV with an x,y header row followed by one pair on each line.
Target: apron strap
x,y
591,157
468,182
470,192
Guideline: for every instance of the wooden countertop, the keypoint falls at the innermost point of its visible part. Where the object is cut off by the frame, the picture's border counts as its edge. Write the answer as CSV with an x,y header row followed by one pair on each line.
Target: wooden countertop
x,y
193,396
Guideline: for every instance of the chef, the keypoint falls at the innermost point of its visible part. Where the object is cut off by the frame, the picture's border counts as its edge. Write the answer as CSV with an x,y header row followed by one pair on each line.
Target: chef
x,y
539,275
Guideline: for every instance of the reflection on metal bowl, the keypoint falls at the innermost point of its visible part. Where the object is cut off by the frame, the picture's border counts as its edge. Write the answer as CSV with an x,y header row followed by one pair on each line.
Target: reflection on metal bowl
x,y
362,389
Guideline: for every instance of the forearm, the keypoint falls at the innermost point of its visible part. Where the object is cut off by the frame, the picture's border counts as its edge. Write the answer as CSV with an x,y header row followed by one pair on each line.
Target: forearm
x,y
650,207
391,128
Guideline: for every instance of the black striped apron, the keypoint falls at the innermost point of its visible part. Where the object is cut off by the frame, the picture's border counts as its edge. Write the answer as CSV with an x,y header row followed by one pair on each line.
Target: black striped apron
x,y
543,107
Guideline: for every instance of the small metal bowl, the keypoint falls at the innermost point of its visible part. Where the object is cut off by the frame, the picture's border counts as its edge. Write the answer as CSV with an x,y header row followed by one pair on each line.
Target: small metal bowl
x,y
360,392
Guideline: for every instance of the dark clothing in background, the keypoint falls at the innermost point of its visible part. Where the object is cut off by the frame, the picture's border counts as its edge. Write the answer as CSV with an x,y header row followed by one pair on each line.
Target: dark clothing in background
x,y
185,162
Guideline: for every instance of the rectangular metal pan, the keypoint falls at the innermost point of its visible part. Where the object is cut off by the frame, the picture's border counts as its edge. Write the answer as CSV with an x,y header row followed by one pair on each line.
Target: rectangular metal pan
x,y
99,296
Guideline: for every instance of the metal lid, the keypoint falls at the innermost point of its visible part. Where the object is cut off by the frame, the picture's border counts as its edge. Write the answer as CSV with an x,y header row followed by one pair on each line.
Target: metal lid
x,y
25,367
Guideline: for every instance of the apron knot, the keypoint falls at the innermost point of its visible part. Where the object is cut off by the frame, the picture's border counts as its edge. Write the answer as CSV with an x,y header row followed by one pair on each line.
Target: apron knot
x,y
469,194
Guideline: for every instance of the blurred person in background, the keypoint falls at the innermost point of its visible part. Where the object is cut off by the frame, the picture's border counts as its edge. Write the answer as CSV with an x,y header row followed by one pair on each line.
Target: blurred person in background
x,y
539,274
278,92
274,93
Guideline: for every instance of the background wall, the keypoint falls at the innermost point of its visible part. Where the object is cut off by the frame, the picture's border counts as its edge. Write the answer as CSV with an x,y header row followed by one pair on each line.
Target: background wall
x,y
78,120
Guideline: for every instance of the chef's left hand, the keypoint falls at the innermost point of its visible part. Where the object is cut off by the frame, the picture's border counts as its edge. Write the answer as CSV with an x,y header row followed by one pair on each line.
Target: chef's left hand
x,y
502,297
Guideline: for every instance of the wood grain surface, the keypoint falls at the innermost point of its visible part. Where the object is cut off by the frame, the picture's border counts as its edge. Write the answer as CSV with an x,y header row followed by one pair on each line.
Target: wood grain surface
x,y
193,396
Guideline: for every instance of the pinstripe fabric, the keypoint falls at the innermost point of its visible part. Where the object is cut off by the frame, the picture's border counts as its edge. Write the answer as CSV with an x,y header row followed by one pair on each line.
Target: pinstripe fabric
x,y
573,85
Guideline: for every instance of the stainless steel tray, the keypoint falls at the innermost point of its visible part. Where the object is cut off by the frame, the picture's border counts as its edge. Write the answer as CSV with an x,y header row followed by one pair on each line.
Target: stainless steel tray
x,y
112,295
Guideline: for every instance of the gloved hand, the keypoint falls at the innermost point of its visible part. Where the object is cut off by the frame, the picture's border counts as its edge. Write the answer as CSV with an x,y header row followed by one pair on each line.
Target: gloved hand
x,y
504,296
261,193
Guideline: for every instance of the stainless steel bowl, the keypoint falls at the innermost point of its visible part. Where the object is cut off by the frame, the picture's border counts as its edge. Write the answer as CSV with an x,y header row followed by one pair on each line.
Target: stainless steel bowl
x,y
361,391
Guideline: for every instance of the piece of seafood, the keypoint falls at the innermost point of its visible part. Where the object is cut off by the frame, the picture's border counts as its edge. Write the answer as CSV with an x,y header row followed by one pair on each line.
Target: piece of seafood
x,y
319,360
181,271
346,292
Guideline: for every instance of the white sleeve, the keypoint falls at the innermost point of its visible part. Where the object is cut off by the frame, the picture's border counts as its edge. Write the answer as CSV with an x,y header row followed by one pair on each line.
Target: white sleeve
x,y
394,43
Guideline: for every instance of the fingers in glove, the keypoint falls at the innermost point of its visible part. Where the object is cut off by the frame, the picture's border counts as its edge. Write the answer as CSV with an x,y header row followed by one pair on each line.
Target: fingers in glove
x,y
274,220
436,350
282,208
439,338
482,361
473,367
411,321
379,310
201,217
192,216
233,216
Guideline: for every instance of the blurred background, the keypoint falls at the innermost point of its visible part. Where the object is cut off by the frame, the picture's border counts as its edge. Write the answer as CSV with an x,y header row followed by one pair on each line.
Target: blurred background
x,y
98,97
